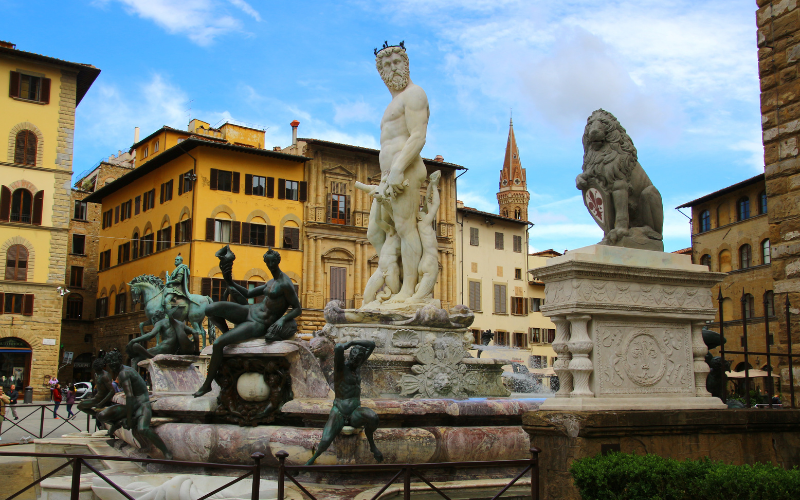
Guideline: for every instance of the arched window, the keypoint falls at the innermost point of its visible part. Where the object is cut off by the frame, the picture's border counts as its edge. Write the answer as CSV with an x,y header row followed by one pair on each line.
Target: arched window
x,y
25,148
518,214
22,206
745,256
749,306
17,263
765,256
762,202
743,209
725,265
769,303
705,260
705,221
135,246
505,213
74,306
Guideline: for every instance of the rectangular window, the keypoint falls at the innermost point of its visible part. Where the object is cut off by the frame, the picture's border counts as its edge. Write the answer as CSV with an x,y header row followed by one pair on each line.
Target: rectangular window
x,y
291,238
259,186
535,304
149,200
517,274
125,210
14,303
164,239
101,309
148,243
498,241
222,180
520,340
185,182
473,236
222,231
166,191
517,243
146,152
535,335
183,231
551,336
108,218
137,203
74,309
500,300
79,244
124,253
519,306
81,210
338,209
119,303
218,287
292,190
105,260
501,338
475,295
258,235
155,149
76,277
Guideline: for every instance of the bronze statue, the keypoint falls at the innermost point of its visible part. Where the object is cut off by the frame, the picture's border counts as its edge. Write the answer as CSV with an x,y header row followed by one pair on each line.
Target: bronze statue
x,y
104,390
174,341
268,319
347,409
136,413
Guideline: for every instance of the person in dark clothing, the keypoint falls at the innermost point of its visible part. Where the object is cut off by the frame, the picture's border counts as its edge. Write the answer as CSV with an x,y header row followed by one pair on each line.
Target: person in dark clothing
x,y
13,394
70,400
56,399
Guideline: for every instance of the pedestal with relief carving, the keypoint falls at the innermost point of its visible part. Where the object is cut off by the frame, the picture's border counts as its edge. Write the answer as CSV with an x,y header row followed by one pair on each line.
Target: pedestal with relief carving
x,y
627,328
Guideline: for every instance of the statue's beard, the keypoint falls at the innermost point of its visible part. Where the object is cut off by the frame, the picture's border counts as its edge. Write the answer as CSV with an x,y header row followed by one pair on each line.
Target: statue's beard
x,y
395,83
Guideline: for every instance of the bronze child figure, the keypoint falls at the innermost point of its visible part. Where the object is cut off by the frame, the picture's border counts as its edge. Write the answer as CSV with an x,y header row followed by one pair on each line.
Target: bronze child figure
x,y
103,386
347,409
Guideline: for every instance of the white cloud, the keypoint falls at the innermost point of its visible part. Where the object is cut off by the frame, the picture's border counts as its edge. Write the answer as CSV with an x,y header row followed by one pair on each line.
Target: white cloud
x,y
246,8
359,111
478,201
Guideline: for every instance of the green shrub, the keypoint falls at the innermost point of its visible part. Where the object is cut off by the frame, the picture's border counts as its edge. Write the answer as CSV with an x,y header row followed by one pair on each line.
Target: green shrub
x,y
620,476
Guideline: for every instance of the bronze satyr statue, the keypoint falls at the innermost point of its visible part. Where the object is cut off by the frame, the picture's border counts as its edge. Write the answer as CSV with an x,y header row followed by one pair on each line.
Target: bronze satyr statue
x,y
136,413
103,386
347,409
173,341
268,319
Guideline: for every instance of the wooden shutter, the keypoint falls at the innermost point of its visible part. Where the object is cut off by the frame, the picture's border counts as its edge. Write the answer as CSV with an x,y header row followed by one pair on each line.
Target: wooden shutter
x,y
161,197
180,184
281,189
214,178
2,302
38,205
338,283
209,229
205,287
27,309
270,236
525,307
235,182
236,231
5,203
246,234
119,254
45,93
19,147
30,148
248,183
303,191
270,187
167,234
498,241
187,234
296,238
116,214
13,85
135,248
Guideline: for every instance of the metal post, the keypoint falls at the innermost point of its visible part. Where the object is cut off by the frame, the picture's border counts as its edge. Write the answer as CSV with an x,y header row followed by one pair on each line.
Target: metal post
x,y
88,423
789,346
257,456
281,456
407,483
41,423
722,345
770,381
535,473
744,344
75,490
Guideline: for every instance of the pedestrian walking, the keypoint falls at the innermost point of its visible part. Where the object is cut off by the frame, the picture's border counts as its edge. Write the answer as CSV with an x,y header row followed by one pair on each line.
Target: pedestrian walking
x,y
70,400
57,400
53,381
4,401
13,395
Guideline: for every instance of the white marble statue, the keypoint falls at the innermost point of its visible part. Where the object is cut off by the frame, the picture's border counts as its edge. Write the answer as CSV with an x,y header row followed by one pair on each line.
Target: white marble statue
x,y
394,217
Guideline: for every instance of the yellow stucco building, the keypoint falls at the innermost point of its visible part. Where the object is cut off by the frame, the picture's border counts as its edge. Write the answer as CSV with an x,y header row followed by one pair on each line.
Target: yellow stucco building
x,y
37,117
190,193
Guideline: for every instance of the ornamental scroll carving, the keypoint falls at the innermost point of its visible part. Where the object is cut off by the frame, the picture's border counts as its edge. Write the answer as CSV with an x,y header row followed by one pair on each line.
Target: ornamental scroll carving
x,y
627,294
644,358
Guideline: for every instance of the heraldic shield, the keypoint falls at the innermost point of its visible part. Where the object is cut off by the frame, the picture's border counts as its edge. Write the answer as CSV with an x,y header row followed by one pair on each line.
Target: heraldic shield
x,y
599,203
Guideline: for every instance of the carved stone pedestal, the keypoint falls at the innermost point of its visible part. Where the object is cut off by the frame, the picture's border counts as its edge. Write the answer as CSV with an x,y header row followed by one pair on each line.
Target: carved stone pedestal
x,y
173,375
629,326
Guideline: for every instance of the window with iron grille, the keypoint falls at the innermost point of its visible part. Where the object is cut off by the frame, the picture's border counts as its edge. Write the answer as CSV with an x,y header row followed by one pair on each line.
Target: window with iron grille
x,y
22,206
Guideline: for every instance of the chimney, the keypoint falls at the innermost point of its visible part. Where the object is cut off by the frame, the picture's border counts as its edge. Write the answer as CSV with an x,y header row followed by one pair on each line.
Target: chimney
x,y
277,148
439,158
294,125
136,135
7,45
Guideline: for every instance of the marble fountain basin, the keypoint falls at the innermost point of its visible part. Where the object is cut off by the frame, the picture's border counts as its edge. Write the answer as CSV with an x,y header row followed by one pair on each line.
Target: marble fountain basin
x,y
181,487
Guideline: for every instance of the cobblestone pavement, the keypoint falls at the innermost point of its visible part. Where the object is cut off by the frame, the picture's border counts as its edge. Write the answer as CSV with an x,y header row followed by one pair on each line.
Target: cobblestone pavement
x,y
30,422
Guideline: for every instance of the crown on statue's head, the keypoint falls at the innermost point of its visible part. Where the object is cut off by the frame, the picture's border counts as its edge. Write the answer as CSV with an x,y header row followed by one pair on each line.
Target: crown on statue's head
x,y
386,46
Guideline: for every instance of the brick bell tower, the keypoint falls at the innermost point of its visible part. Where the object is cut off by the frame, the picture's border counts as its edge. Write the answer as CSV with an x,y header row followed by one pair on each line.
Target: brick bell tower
x,y
513,196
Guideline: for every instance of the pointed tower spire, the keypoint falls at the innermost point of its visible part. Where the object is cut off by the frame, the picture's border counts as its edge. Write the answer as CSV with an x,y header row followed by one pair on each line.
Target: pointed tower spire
x,y
513,195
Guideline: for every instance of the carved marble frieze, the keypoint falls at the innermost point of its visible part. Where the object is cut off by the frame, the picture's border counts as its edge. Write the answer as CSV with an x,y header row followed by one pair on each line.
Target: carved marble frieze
x,y
628,295
392,339
440,372
648,358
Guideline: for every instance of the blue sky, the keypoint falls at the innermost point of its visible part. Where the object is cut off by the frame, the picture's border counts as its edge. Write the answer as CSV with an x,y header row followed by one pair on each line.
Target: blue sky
x,y
681,76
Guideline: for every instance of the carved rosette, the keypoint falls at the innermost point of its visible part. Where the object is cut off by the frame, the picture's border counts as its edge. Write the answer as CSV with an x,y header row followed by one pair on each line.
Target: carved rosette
x,y
561,366
258,405
439,373
580,345
701,369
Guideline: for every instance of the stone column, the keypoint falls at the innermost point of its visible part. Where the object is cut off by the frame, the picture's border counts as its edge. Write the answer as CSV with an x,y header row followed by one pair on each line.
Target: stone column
x,y
580,345
561,366
445,281
701,369
319,271
312,267
358,291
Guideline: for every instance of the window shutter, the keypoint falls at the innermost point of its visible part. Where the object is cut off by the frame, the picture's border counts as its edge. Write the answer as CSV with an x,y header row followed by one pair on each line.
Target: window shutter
x,y
135,248
209,229
180,184
116,214
235,186
330,208
303,191
161,196
205,287
214,177
270,236
19,148
503,299
167,236
2,302
248,183
270,187
178,233
5,203
497,298
119,254
281,189
236,231
525,307
45,95
347,210
28,307
187,234
30,149
38,205
13,86
296,238
246,234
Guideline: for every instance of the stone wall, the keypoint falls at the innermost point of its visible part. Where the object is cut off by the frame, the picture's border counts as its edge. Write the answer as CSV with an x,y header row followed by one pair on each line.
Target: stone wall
x,y
778,54
114,332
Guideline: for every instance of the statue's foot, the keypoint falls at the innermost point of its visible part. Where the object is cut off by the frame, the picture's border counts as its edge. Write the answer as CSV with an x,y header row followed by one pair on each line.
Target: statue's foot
x,y
202,391
400,297
168,455
311,461
378,455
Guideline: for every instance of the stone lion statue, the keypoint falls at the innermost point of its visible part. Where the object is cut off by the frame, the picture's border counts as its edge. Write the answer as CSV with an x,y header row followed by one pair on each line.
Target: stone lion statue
x,y
616,189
